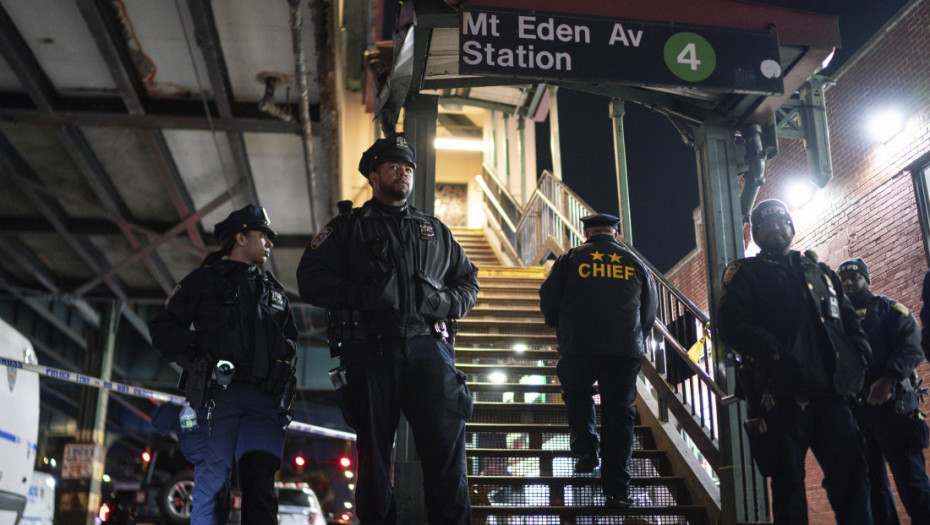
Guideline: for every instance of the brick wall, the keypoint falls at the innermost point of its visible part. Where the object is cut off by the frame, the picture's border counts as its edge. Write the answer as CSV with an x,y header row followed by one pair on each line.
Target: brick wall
x,y
868,209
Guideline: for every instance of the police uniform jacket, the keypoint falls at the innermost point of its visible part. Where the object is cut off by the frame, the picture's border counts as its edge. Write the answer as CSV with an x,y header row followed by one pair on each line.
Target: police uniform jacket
x,y
893,335
601,299
400,267
795,308
232,311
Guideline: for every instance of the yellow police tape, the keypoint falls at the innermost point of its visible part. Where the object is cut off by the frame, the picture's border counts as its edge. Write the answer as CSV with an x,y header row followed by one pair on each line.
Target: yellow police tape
x,y
154,395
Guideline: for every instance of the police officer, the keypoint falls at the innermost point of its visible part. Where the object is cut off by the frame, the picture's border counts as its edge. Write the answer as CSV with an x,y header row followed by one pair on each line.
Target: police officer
x,y
889,415
228,312
394,280
601,299
802,358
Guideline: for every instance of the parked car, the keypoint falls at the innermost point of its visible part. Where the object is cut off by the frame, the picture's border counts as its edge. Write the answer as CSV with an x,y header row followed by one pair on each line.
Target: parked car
x,y
298,505
162,495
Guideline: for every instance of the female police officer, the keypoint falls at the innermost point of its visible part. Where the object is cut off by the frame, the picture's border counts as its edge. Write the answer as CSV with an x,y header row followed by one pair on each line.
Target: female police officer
x,y
228,310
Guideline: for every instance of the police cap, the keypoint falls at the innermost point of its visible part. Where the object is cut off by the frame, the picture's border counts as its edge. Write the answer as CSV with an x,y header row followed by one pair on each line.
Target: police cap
x,y
766,209
251,217
383,150
856,264
601,219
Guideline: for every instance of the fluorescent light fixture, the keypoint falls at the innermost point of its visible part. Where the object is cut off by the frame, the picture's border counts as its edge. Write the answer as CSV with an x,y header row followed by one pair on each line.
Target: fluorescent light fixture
x,y
800,193
885,124
459,144
497,377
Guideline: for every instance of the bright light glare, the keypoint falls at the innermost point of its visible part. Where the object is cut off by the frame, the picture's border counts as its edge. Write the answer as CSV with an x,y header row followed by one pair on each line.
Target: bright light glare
x,y
347,504
459,144
519,348
53,462
497,377
146,456
349,474
345,462
886,124
106,478
800,193
300,461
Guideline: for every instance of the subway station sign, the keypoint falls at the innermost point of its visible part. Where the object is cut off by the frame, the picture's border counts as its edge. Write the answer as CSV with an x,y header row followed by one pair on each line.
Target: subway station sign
x,y
569,47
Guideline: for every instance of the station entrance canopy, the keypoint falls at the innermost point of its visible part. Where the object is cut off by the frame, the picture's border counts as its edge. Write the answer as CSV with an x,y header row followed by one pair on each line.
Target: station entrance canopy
x,y
713,59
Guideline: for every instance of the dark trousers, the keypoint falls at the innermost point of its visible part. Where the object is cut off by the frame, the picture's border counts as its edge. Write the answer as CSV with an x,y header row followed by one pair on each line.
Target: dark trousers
x,y
419,377
898,441
827,427
616,379
247,429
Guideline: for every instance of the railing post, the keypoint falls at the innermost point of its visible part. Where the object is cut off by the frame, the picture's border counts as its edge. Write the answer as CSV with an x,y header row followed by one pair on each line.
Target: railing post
x,y
742,489
617,111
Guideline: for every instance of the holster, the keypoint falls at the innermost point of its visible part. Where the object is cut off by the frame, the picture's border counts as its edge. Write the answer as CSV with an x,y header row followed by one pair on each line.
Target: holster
x,y
343,327
198,382
279,374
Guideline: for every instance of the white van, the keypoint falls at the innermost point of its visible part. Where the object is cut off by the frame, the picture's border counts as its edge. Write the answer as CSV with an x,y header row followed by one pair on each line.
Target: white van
x,y
19,426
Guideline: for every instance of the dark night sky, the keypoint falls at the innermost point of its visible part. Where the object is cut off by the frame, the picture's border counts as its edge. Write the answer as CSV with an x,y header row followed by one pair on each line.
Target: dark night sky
x,y
661,169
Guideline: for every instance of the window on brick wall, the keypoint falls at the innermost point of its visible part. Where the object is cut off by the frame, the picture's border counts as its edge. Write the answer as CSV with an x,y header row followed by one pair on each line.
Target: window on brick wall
x,y
920,171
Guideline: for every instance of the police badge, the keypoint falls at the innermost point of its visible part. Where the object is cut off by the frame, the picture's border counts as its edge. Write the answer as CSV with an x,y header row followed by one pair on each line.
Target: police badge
x,y
426,231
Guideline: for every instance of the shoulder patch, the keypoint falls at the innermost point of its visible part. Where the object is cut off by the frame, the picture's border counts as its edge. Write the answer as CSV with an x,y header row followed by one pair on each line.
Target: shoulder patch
x,y
730,272
901,308
321,237
168,300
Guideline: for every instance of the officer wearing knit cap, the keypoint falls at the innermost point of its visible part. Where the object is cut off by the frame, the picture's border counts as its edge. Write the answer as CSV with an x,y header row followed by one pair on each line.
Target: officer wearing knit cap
x,y
802,359
767,210
856,264
889,414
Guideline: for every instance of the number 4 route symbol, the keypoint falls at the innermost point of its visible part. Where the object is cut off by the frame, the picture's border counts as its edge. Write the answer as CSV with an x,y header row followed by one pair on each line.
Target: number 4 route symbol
x,y
689,56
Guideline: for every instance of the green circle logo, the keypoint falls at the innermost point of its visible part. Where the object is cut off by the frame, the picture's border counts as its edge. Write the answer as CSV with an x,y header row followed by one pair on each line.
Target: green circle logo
x,y
690,57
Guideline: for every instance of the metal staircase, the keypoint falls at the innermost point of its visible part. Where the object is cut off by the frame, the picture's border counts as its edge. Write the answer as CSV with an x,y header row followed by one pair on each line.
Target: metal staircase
x,y
520,469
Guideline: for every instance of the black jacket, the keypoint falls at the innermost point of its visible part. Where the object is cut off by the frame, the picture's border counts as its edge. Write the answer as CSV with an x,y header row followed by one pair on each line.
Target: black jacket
x,y
893,335
401,268
600,298
925,314
237,313
793,307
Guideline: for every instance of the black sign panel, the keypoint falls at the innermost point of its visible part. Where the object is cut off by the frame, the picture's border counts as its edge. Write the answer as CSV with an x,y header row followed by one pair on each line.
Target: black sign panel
x,y
568,47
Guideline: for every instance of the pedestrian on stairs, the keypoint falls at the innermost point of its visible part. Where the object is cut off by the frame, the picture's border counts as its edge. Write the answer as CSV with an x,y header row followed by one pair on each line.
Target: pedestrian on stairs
x,y
394,280
601,299
802,360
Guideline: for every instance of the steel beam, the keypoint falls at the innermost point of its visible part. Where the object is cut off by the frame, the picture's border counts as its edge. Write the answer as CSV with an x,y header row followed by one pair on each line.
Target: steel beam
x,y
72,138
18,254
742,489
208,39
155,243
173,114
107,33
24,64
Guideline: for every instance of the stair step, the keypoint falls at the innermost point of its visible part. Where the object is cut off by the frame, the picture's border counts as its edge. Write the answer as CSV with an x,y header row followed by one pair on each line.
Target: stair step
x,y
510,370
686,514
514,387
561,481
544,453
505,353
526,428
473,337
508,284
530,273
